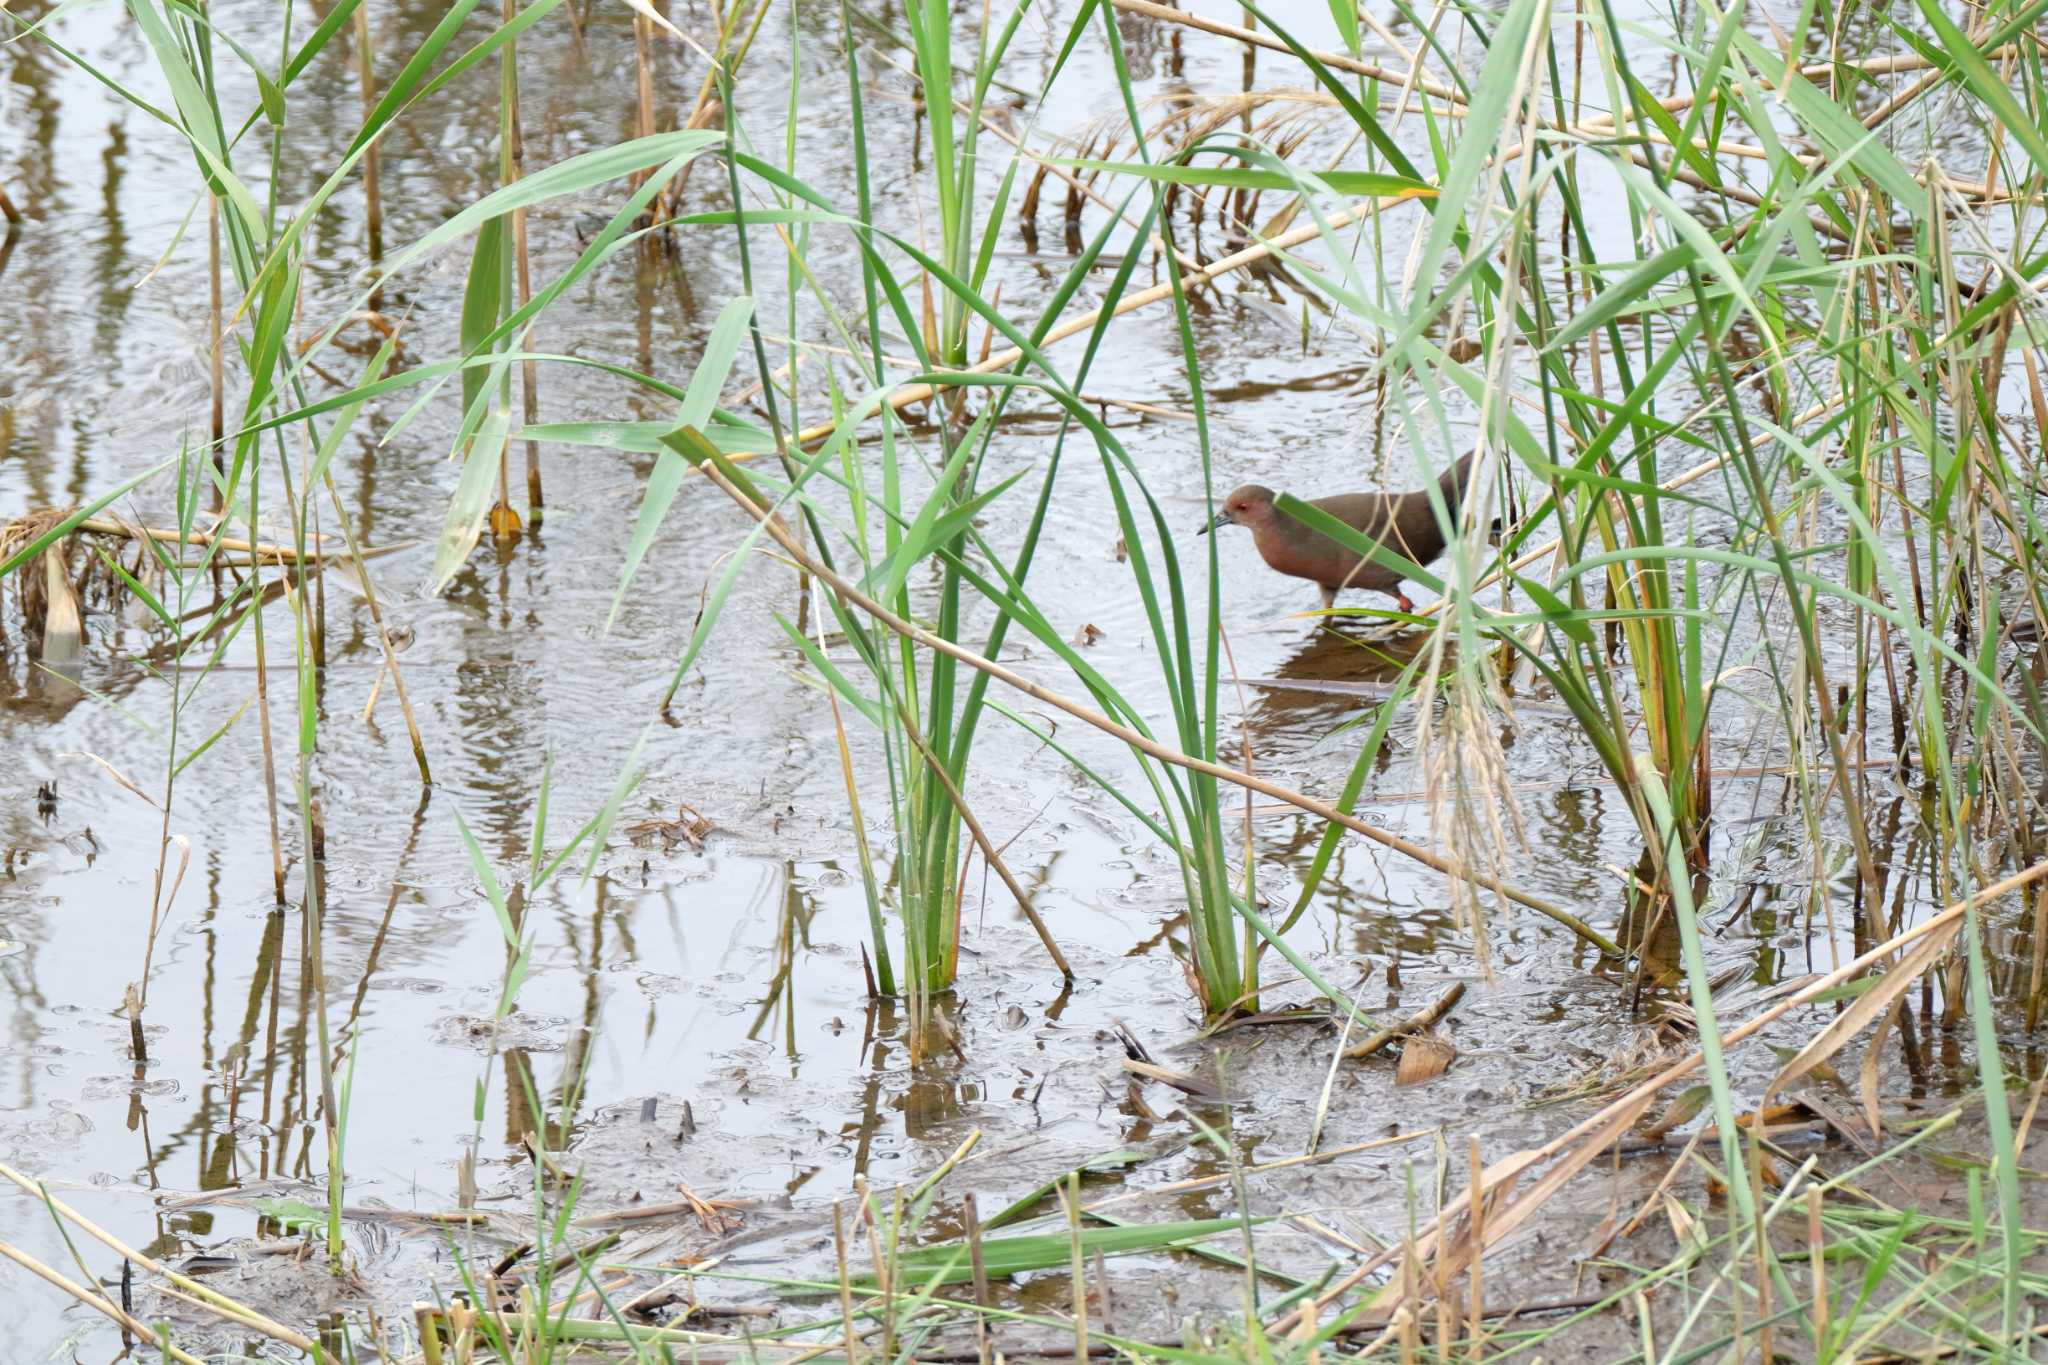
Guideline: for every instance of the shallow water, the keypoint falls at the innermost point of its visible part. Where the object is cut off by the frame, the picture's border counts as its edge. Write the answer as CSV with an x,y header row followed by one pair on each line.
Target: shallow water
x,y
727,977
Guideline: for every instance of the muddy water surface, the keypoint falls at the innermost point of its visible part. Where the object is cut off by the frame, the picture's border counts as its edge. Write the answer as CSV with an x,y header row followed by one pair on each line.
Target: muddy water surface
x,y
695,1018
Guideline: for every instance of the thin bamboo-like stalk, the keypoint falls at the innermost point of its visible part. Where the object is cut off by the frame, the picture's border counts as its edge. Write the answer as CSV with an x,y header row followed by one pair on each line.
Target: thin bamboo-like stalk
x,y
643,88
269,742
522,264
216,384
504,522
373,194
2040,960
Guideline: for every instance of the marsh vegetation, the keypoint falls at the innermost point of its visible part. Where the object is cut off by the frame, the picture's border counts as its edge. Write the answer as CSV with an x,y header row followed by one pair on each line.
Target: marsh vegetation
x,y
622,742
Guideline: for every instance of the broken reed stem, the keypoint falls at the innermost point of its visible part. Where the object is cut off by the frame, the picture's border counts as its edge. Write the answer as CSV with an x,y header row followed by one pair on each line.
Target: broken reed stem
x,y
7,209
319,590
876,929
1414,1023
159,903
1411,1333
426,1320
138,1041
529,377
1144,743
97,1302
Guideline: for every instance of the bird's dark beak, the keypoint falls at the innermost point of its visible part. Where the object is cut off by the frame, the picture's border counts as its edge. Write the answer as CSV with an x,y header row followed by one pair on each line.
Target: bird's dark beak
x,y
1222,519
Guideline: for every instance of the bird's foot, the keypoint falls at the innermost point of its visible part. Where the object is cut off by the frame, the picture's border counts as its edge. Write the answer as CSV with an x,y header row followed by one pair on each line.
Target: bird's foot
x,y
1401,600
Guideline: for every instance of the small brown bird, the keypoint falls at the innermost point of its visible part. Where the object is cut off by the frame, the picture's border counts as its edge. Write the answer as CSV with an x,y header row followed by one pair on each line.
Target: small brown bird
x,y
1404,523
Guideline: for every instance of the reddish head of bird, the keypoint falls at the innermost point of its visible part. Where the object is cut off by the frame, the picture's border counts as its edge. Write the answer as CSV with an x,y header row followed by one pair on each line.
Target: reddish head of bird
x,y
1249,504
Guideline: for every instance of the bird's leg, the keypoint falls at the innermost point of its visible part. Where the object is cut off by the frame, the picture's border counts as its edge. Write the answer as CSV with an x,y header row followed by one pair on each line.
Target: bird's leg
x,y
1329,596
1401,598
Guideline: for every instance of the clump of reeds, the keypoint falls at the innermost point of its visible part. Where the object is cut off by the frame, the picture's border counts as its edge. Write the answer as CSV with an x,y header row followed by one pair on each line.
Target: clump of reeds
x,y
45,596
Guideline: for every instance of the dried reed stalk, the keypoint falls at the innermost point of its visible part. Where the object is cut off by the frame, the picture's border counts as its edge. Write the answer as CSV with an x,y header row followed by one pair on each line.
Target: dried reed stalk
x,y
1414,1023
373,194
522,263
262,549
99,1303
215,1302
269,739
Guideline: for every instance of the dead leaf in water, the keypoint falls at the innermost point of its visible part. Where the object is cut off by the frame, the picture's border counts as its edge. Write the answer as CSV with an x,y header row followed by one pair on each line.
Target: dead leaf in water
x,y
63,629
112,772
1424,1057
1088,635
1684,1107
1867,1073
